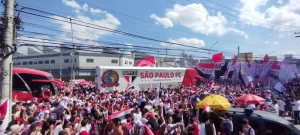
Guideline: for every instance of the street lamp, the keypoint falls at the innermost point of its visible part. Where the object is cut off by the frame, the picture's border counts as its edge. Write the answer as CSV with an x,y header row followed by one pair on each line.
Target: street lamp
x,y
210,48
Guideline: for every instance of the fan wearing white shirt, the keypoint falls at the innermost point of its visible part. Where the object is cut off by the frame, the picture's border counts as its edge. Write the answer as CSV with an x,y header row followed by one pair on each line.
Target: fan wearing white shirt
x,y
296,109
281,105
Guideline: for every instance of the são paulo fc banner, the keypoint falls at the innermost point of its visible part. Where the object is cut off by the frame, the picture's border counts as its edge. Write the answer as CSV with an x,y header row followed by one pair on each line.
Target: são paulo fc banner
x,y
146,62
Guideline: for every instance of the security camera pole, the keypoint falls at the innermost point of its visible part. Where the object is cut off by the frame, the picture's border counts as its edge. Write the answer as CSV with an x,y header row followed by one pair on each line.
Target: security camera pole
x,y
6,67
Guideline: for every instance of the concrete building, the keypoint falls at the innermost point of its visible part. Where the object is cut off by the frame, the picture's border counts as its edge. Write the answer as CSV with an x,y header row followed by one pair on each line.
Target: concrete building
x,y
242,57
273,58
59,61
288,56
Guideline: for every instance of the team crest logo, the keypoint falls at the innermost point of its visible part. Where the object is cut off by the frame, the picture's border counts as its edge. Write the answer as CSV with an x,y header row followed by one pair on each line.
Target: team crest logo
x,y
110,78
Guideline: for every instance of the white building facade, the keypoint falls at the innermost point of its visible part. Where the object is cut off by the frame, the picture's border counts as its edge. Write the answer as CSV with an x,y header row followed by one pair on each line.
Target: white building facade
x,y
59,61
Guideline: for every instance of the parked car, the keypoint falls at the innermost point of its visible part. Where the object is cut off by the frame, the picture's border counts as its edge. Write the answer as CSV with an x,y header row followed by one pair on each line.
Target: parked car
x,y
264,123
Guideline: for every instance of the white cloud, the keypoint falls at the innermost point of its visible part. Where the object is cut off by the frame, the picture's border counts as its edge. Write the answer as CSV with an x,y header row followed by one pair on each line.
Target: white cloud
x,y
280,35
279,1
239,32
196,18
267,42
166,22
95,11
85,7
283,18
290,52
77,11
194,42
270,42
276,43
72,3
83,32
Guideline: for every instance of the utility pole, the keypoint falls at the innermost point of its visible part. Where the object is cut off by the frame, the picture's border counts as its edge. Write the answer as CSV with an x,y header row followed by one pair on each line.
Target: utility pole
x,y
6,71
210,49
238,48
73,53
166,53
60,65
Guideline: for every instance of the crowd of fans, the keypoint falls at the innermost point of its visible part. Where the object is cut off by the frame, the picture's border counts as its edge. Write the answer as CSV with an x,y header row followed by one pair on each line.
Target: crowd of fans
x,y
83,110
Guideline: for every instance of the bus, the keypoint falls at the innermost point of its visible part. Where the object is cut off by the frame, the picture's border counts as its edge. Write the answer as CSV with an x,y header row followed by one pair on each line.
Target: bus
x,y
30,83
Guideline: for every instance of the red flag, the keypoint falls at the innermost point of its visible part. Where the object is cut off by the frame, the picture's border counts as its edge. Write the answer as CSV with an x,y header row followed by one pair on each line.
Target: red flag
x,y
196,129
217,57
206,68
3,109
266,59
146,62
206,108
148,130
193,90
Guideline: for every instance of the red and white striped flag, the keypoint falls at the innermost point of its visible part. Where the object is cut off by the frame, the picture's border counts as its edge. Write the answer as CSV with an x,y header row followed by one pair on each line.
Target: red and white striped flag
x,y
206,108
211,85
196,129
120,114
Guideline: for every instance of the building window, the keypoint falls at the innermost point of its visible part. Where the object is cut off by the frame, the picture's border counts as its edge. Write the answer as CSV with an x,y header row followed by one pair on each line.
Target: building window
x,y
30,62
66,61
19,63
41,62
35,62
24,63
130,62
126,62
114,61
89,60
75,60
46,61
52,61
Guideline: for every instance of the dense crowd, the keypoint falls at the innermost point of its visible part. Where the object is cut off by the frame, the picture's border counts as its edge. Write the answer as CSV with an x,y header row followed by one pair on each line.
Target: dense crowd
x,y
83,110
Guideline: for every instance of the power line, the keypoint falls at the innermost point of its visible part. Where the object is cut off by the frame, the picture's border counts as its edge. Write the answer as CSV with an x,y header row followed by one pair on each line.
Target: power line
x,y
112,30
81,46
186,32
39,26
211,1
81,49
121,44
235,16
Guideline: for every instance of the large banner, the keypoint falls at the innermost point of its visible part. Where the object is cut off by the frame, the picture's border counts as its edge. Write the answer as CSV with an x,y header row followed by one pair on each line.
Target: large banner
x,y
287,72
244,72
206,68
